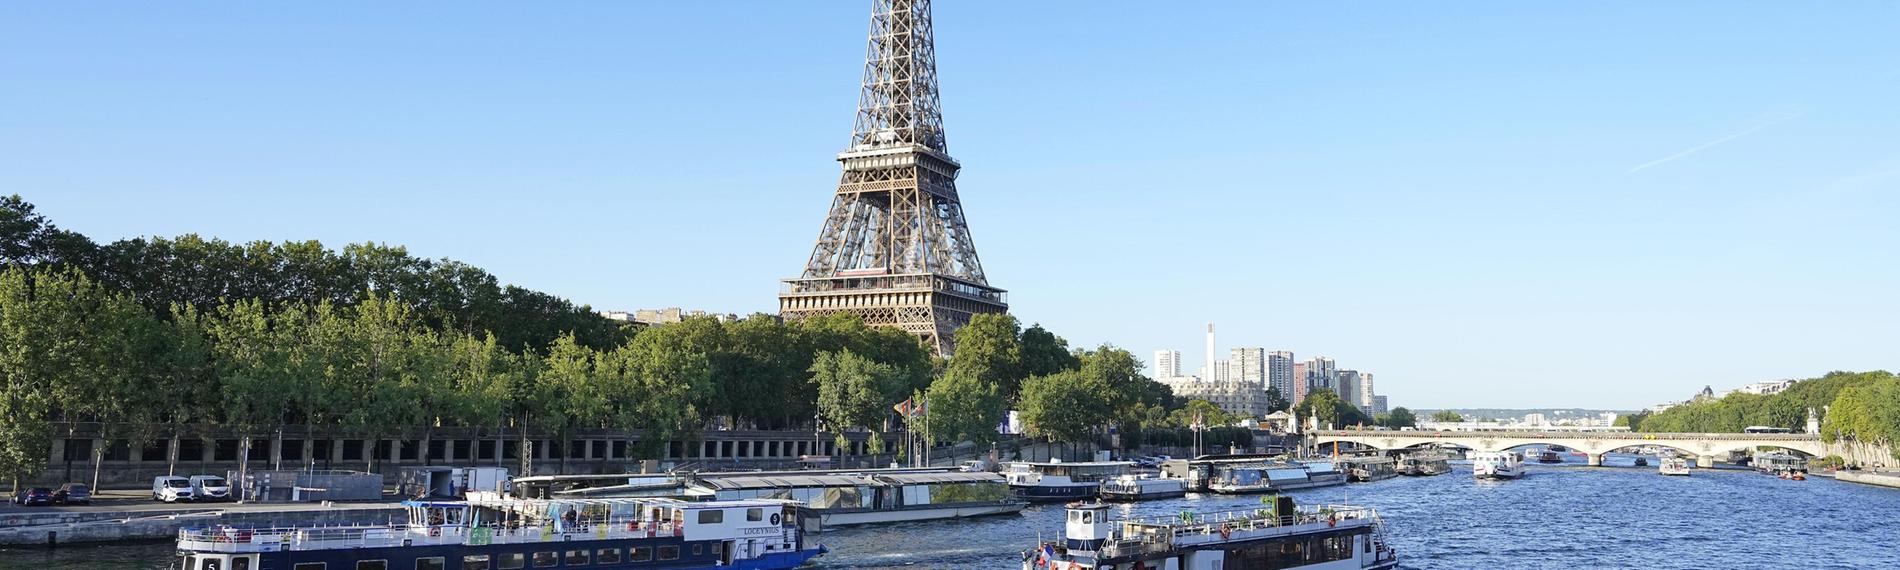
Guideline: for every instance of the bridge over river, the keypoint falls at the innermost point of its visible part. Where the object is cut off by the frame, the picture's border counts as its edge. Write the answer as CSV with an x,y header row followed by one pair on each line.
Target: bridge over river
x,y
1705,447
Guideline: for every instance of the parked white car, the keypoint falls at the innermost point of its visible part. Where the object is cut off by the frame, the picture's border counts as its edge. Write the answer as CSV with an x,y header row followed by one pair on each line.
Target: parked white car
x,y
210,488
171,489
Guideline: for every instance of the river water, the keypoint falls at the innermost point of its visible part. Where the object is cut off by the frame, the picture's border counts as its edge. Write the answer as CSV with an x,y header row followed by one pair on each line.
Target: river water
x,y
1566,516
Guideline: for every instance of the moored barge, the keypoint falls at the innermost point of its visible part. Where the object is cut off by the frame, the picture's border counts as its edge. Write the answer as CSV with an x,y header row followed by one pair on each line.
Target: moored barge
x,y
489,532
1275,536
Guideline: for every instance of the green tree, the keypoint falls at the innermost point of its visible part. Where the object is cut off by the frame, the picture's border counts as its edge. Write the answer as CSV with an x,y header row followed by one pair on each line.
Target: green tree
x,y
1276,401
1400,417
963,407
1447,416
661,380
1209,414
1044,353
1063,407
854,392
989,349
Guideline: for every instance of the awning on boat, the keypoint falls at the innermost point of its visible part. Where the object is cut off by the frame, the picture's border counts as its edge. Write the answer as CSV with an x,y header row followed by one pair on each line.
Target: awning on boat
x,y
781,482
930,478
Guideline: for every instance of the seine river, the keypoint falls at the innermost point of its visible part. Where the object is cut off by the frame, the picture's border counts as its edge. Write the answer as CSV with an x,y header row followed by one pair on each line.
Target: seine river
x,y
1556,517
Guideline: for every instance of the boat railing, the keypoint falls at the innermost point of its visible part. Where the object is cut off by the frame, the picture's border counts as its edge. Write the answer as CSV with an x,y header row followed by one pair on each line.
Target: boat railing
x,y
1205,523
271,539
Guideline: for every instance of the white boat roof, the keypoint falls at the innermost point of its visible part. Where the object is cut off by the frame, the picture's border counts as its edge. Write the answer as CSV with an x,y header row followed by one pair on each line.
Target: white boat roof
x,y
781,481
1074,463
954,477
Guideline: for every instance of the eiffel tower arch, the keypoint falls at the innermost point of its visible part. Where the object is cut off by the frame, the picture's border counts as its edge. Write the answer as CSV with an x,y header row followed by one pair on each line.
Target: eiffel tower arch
x,y
895,249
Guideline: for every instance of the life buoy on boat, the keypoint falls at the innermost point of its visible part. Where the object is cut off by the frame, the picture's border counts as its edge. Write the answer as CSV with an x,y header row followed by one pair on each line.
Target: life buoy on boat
x,y
1226,531
435,531
1333,520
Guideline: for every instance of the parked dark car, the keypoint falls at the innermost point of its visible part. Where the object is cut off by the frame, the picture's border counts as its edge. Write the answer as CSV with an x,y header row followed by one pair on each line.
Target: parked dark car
x,y
73,494
34,496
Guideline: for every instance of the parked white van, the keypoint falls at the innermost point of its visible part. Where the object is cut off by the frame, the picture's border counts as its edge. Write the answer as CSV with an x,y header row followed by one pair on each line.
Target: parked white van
x,y
171,489
210,488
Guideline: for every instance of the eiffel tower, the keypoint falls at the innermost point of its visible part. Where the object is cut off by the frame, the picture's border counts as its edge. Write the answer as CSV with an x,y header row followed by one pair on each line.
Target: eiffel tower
x,y
895,250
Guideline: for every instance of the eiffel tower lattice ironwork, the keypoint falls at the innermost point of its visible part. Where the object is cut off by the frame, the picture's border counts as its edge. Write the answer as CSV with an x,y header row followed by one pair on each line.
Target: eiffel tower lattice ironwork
x,y
895,249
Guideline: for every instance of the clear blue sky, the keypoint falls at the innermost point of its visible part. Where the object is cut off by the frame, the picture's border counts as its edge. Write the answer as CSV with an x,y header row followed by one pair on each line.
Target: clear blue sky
x,y
1486,204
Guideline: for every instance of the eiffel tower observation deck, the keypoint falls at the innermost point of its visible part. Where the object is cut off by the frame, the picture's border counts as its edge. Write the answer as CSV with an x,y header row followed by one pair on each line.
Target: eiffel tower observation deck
x,y
895,249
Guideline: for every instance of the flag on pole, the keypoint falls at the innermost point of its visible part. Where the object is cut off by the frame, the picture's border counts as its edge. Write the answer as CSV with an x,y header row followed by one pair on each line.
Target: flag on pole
x,y
903,408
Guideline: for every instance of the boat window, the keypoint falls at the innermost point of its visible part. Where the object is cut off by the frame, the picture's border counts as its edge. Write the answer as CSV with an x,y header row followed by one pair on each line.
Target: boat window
x,y
754,515
669,553
641,554
513,561
1088,517
1075,516
475,562
308,566
430,563
574,558
607,555
712,516
211,564
243,563
371,565
546,559
699,549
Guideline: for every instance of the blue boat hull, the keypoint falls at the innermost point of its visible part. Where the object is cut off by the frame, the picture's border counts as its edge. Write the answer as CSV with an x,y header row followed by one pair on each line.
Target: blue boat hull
x,y
459,557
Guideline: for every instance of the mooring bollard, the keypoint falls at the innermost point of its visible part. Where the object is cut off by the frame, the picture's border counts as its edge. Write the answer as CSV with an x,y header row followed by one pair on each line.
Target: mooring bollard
x,y
52,538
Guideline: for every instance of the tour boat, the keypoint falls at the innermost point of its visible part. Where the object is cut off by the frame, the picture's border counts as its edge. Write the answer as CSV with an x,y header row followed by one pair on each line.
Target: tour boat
x,y
1368,469
1060,481
1548,456
1497,465
846,499
490,532
1277,535
1141,488
1424,464
1273,477
1672,465
1778,463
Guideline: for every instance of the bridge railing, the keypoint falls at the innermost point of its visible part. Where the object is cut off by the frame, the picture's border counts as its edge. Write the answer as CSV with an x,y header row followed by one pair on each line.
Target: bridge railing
x,y
1523,434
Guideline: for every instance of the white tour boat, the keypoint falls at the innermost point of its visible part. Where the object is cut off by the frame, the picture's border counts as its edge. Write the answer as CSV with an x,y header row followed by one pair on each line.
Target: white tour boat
x,y
1673,465
1275,536
1497,465
1141,488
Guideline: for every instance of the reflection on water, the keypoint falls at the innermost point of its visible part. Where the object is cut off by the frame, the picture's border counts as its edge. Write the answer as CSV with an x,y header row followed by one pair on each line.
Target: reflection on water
x,y
1556,517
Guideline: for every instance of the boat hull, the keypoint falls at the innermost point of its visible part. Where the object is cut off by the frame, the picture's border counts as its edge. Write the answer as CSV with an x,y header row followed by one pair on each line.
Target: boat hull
x,y
453,556
854,518
1147,496
1054,493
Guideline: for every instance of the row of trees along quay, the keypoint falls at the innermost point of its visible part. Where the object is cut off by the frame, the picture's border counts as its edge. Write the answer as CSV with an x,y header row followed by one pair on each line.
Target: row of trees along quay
x,y
151,338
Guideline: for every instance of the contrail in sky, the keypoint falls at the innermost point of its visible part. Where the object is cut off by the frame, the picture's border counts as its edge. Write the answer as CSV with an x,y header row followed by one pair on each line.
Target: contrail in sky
x,y
1706,145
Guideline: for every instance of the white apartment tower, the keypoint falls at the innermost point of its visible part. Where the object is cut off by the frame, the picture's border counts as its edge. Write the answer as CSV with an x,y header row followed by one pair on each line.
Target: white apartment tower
x,y
1366,397
1209,368
1167,364
1248,365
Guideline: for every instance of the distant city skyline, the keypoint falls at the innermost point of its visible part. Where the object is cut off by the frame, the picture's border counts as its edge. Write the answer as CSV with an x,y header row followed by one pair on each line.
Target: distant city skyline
x,y
1532,205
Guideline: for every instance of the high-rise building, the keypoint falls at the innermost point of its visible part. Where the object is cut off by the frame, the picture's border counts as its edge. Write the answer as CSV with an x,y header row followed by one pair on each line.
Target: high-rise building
x,y
1378,406
1346,382
1221,369
1300,384
1208,370
1365,391
1280,372
1320,373
1167,364
1248,365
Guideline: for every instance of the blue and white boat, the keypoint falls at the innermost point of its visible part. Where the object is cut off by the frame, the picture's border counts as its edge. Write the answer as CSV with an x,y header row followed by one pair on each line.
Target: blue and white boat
x,y
1061,481
489,532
